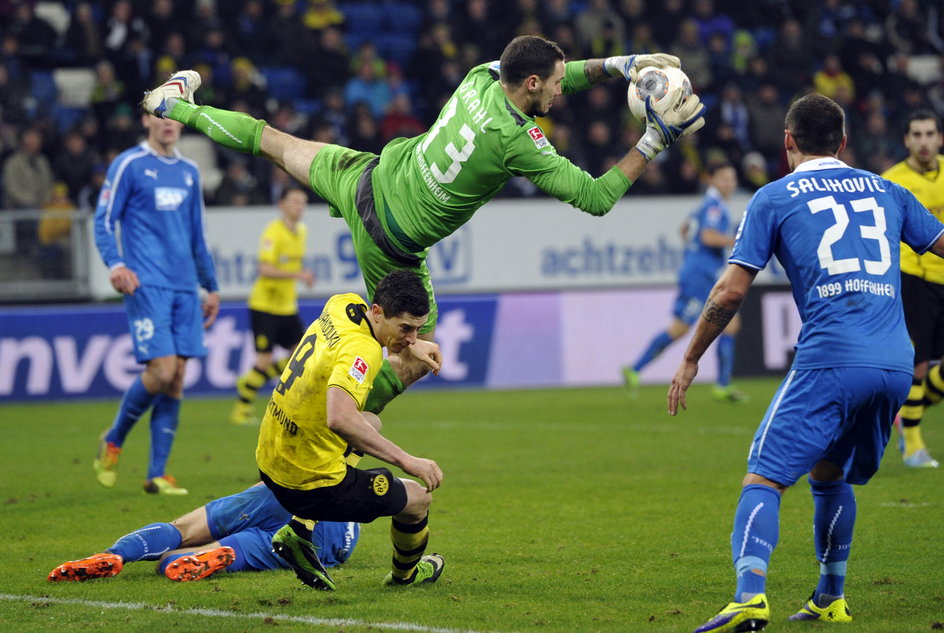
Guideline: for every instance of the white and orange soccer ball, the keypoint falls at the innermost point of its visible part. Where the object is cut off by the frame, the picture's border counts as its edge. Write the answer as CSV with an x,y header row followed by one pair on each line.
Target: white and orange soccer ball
x,y
667,87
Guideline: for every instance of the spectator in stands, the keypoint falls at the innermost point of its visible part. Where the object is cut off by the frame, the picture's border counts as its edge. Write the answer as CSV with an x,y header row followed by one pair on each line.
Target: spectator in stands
x,y
333,69
72,165
400,120
599,29
36,38
286,38
248,28
107,92
122,25
238,188
793,76
134,66
162,21
875,146
366,87
246,86
473,23
363,129
87,197
55,232
831,76
906,28
754,174
321,14
719,59
214,50
27,174
121,130
83,38
12,110
766,114
710,22
743,50
688,47
27,183
367,54
666,21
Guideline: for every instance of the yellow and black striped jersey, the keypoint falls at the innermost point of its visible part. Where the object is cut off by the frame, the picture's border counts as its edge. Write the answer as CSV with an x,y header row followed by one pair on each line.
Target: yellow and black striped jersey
x,y
928,188
296,448
284,249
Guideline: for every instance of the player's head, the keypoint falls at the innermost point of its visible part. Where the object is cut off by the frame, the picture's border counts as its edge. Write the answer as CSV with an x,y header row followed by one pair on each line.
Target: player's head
x,y
816,125
723,177
535,67
923,138
161,132
399,308
292,202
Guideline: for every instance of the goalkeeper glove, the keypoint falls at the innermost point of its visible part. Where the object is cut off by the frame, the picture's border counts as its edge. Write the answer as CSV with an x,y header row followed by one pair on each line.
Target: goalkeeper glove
x,y
629,65
662,131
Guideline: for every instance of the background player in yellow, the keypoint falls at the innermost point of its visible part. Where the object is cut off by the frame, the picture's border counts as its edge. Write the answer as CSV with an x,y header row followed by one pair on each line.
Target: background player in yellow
x,y
273,302
419,190
315,417
922,283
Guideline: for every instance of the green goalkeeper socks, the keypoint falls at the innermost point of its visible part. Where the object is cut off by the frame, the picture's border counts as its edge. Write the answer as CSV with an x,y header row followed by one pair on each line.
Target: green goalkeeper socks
x,y
234,130
387,386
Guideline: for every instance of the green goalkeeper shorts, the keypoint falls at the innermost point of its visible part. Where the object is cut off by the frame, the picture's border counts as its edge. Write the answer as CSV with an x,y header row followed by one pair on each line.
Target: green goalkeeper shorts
x,y
334,175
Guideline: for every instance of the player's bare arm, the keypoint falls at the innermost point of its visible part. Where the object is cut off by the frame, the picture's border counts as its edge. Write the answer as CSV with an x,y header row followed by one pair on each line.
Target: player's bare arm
x,y
349,423
722,304
124,280
211,308
427,352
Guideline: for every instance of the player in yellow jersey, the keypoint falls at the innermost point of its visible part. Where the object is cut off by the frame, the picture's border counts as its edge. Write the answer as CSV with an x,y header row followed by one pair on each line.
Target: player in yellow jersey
x,y
922,282
316,416
273,303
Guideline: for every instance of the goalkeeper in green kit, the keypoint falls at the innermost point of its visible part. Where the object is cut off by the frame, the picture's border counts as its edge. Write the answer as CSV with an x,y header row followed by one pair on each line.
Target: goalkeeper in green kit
x,y
421,189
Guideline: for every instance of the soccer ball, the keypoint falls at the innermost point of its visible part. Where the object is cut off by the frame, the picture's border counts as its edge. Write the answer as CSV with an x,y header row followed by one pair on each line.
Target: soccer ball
x,y
662,85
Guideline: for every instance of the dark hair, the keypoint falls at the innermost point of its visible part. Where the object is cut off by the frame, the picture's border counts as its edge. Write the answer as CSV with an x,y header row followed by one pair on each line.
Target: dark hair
x,y
289,189
817,124
922,115
528,55
401,291
714,167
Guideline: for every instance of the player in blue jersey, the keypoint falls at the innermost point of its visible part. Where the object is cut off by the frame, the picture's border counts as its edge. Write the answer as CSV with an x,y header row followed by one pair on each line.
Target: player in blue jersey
x,y
836,231
152,198
232,533
707,233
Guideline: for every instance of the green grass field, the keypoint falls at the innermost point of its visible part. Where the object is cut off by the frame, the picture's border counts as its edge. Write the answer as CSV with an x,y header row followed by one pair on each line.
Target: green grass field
x,y
561,511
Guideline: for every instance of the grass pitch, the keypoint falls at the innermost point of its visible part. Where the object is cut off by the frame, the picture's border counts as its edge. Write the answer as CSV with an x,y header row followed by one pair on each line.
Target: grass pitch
x,y
561,511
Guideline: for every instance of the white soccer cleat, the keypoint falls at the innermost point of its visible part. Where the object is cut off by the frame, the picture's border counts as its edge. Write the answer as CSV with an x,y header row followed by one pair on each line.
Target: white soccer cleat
x,y
181,85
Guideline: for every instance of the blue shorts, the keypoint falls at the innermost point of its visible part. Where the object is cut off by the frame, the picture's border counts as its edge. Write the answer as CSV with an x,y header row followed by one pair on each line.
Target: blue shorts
x,y
687,308
165,322
247,520
842,415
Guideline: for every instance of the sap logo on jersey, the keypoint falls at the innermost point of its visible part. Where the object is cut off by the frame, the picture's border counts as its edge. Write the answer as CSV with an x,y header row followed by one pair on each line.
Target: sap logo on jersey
x,y
169,198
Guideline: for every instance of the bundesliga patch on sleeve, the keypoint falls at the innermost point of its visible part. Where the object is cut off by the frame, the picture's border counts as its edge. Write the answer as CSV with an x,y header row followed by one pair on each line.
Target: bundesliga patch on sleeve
x,y
358,370
538,137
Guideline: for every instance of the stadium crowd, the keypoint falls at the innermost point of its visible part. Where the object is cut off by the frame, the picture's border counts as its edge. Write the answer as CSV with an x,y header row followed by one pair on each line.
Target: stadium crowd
x,y
361,73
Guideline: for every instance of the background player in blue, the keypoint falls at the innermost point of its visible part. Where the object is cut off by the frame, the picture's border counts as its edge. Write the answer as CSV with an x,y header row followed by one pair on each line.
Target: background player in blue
x,y
707,233
232,533
837,233
154,196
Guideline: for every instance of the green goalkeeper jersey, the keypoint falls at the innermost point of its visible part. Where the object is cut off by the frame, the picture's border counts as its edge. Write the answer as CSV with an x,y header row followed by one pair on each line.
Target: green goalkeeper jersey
x,y
430,185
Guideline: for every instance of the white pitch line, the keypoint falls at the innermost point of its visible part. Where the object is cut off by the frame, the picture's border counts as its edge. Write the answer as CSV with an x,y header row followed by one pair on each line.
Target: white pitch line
x,y
216,613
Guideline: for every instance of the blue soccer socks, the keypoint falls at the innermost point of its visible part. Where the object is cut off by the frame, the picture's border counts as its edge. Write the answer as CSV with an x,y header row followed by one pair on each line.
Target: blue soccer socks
x,y
725,348
754,537
164,419
136,401
147,543
834,515
656,346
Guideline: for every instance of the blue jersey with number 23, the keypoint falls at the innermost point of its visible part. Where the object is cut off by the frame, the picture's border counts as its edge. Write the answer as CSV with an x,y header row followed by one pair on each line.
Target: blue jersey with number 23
x,y
836,231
